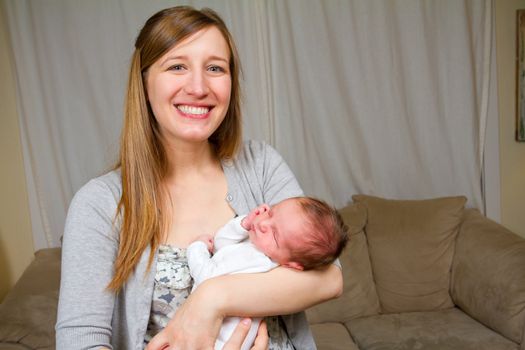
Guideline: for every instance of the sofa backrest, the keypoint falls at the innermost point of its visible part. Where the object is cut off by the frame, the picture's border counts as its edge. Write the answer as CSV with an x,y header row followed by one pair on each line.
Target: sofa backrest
x,y
359,295
488,275
411,246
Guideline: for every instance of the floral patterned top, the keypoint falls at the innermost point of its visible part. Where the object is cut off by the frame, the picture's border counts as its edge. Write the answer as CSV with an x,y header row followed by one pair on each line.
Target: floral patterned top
x,y
173,285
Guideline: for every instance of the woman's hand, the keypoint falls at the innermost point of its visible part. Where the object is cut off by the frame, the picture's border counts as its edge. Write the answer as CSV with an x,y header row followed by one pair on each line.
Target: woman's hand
x,y
196,323
161,342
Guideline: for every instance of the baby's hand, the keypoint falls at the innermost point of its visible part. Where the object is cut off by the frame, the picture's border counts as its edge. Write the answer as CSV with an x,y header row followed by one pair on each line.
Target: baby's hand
x,y
207,239
247,222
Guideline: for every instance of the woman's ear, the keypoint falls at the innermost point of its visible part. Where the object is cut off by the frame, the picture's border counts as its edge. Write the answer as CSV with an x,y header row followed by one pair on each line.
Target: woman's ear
x,y
294,265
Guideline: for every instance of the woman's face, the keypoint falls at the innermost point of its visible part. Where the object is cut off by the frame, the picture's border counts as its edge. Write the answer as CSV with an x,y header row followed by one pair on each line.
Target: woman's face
x,y
189,87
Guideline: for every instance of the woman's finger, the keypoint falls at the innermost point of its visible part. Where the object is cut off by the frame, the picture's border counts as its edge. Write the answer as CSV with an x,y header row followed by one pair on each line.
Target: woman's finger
x,y
159,342
238,336
261,340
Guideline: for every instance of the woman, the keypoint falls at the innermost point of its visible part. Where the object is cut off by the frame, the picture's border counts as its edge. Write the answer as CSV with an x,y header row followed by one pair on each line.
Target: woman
x,y
183,171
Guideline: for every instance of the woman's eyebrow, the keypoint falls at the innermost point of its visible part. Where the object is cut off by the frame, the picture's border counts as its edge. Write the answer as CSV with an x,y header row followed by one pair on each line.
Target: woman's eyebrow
x,y
171,58
184,57
218,58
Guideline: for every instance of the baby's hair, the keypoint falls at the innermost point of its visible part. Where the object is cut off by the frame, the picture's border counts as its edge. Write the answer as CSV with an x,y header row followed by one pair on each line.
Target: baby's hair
x,y
325,236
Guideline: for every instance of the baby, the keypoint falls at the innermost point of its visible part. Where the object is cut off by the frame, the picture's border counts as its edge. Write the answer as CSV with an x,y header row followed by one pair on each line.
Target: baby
x,y
300,233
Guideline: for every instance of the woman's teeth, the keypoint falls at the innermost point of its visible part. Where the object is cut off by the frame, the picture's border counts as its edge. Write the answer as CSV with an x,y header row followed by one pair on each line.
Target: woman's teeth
x,y
193,110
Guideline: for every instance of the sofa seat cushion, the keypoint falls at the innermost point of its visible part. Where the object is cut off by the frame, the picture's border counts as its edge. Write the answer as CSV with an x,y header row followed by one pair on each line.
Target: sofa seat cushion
x,y
28,312
8,346
411,246
449,329
332,336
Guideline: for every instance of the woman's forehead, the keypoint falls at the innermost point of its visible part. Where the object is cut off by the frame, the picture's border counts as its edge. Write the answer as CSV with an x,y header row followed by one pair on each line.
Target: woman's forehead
x,y
207,40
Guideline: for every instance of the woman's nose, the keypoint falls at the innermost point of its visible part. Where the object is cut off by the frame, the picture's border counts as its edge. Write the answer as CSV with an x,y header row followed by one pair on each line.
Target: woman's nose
x,y
196,85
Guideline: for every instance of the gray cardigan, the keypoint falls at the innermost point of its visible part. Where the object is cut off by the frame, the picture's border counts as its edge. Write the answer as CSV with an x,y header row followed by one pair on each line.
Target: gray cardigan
x,y
89,316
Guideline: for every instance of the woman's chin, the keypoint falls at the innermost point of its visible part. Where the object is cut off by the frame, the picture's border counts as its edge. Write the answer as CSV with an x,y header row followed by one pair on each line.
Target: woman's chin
x,y
191,137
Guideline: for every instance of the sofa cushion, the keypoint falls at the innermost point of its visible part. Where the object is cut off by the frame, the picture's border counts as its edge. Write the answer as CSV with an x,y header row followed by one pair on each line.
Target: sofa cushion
x,y
9,346
449,329
488,275
28,312
359,296
332,336
411,245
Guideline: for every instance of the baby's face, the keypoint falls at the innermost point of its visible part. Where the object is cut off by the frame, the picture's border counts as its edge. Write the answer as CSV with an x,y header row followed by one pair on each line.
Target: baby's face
x,y
275,231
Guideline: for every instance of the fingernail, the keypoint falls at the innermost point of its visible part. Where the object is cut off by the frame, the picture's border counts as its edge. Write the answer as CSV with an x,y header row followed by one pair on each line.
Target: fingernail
x,y
246,321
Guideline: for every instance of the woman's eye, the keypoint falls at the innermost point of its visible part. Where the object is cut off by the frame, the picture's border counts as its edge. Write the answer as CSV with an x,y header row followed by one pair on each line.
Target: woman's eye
x,y
176,67
216,69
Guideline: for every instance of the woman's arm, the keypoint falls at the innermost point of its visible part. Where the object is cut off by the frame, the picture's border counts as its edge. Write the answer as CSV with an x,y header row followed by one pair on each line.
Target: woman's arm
x,y
280,291
85,307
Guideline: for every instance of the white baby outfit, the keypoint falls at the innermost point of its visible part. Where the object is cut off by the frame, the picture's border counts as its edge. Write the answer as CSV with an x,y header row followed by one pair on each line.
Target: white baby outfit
x,y
233,253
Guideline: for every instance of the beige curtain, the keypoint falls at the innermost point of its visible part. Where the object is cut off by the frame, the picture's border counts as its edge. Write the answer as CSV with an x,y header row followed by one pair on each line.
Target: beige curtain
x,y
390,98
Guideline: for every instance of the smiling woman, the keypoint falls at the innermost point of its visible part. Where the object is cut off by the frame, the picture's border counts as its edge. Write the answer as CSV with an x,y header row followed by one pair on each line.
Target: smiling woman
x,y
183,171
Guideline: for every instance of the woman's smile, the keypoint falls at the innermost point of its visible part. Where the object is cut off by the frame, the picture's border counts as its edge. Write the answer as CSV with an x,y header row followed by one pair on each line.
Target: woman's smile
x,y
193,112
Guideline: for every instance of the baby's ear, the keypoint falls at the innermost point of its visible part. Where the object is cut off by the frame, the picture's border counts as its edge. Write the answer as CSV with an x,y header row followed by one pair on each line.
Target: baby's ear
x,y
294,265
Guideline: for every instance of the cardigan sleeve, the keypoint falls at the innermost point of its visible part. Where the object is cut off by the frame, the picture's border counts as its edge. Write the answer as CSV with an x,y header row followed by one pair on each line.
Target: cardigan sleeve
x,y
89,250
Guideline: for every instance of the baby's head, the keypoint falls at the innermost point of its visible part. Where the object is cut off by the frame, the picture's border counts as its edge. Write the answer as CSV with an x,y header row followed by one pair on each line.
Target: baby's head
x,y
301,233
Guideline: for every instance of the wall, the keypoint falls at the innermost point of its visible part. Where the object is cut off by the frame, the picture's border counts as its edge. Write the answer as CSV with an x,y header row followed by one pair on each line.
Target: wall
x,y
512,153
16,241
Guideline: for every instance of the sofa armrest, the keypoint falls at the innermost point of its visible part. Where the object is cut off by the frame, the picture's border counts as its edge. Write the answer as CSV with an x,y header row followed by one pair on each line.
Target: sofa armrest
x,y
28,312
488,275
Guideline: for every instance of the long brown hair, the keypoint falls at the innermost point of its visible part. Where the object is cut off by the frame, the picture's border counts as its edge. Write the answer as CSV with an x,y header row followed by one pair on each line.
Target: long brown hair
x,y
143,160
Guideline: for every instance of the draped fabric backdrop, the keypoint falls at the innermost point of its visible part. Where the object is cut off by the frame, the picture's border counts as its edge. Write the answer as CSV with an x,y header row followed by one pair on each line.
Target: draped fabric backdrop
x,y
389,98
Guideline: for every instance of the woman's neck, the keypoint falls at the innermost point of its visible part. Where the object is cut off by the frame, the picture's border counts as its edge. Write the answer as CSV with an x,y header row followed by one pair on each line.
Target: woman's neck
x,y
188,158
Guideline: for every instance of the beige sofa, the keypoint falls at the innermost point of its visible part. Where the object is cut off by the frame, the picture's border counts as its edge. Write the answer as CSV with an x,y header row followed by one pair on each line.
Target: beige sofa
x,y
28,313
425,275
418,275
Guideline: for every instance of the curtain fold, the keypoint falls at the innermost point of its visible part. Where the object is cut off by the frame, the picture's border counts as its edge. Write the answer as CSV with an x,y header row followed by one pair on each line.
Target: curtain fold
x,y
379,97
384,95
